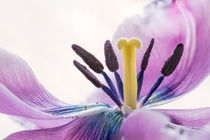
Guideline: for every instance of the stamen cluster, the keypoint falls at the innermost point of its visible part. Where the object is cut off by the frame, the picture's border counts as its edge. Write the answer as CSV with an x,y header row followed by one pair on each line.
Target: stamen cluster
x,y
113,65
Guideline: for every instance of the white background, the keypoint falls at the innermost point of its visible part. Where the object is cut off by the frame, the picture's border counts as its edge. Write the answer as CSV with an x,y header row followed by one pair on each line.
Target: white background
x,y
42,32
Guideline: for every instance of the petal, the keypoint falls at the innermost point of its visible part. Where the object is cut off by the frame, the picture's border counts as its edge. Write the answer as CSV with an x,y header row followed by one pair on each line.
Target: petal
x,y
180,21
190,117
41,123
12,105
101,126
203,135
23,96
61,115
19,79
141,124
148,125
57,133
80,110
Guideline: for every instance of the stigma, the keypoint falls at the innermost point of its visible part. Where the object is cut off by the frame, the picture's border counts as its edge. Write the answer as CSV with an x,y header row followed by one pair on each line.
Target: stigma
x,y
129,70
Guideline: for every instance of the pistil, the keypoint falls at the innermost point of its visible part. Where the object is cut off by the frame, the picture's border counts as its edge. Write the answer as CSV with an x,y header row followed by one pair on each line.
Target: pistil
x,y
129,70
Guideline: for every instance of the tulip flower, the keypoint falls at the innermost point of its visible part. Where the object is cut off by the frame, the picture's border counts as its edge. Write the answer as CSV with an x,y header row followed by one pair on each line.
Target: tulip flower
x,y
175,61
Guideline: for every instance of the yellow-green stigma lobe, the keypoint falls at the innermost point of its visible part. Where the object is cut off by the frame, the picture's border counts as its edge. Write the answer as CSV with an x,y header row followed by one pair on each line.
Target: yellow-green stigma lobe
x,y
129,70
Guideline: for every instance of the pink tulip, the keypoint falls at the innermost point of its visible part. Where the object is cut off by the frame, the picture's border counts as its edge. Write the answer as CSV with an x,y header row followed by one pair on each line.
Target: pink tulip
x,y
175,25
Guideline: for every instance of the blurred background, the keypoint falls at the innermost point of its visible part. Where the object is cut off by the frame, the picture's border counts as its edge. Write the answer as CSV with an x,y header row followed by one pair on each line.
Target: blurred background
x,y
42,31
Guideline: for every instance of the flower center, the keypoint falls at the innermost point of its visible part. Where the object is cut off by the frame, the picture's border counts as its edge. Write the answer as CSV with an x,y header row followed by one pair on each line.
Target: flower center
x,y
127,94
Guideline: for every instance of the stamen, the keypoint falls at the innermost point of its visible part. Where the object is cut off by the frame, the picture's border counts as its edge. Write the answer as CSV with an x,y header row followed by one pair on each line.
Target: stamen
x,y
110,83
139,82
111,95
152,90
96,66
172,62
111,58
144,64
129,70
168,68
87,74
97,83
88,58
145,60
112,64
119,84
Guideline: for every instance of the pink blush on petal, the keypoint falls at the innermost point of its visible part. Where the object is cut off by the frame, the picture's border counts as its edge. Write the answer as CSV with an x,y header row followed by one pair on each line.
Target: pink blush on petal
x,y
144,125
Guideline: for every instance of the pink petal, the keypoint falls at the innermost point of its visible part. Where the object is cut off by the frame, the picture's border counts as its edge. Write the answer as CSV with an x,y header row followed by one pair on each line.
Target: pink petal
x,y
144,125
42,123
19,79
22,95
190,117
96,127
153,125
181,21
57,133
12,105
203,135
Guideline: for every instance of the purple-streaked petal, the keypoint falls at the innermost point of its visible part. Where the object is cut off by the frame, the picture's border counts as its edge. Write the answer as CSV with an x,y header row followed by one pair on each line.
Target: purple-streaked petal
x,y
181,21
19,79
57,133
41,123
75,111
101,126
190,117
148,125
62,115
12,105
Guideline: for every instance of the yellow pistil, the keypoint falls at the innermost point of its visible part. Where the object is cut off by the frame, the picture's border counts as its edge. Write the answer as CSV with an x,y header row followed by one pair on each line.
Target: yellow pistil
x,y
129,70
